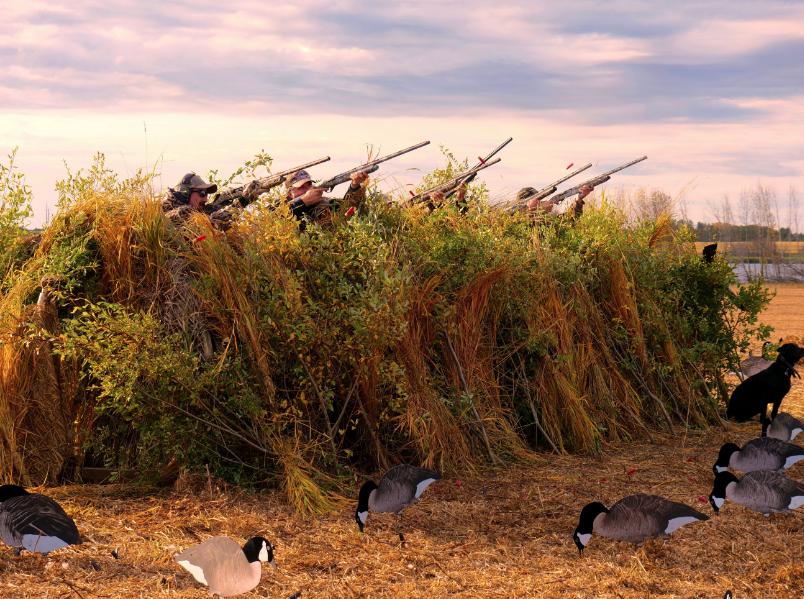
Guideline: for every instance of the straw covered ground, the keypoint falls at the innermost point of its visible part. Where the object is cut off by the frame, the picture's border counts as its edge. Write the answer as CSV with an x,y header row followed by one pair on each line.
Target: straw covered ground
x,y
514,541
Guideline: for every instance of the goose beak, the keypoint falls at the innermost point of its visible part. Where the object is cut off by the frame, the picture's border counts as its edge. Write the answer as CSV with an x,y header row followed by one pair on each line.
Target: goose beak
x,y
273,564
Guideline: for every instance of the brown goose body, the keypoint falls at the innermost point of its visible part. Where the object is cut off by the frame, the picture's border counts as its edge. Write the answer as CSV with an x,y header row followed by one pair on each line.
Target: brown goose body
x,y
639,517
762,453
763,491
753,364
222,565
785,427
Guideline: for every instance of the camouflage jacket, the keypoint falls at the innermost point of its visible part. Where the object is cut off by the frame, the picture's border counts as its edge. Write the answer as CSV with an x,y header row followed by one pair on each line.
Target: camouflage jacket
x,y
323,209
179,211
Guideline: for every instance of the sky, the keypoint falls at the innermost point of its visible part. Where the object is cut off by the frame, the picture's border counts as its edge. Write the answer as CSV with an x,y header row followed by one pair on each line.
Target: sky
x,y
712,91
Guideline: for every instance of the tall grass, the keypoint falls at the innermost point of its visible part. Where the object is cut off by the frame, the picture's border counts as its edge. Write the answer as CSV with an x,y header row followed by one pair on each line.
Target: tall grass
x,y
274,356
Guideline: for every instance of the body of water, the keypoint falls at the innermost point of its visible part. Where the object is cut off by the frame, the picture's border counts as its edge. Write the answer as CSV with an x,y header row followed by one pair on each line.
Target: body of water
x,y
772,272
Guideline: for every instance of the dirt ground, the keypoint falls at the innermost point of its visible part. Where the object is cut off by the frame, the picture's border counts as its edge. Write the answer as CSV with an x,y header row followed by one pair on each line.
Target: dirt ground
x,y
514,540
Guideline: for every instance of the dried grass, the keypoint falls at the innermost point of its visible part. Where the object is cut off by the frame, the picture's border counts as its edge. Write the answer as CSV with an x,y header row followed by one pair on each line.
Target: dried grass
x,y
513,541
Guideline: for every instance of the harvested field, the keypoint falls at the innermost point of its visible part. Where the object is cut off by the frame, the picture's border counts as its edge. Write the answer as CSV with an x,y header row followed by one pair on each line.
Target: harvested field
x,y
785,315
513,541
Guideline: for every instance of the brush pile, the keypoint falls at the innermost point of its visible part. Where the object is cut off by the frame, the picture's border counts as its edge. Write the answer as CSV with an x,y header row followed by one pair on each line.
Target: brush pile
x,y
274,356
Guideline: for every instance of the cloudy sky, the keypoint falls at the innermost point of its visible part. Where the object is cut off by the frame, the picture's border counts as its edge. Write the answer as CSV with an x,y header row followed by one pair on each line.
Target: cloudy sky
x,y
711,91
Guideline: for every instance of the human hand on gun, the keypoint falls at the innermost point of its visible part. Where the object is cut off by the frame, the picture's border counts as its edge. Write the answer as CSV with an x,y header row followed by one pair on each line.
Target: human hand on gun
x,y
439,196
358,179
548,205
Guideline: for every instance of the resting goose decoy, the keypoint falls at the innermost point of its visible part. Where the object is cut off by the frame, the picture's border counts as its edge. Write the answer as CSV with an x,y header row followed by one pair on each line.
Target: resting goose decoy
x,y
763,491
635,519
785,427
34,522
763,453
400,487
225,567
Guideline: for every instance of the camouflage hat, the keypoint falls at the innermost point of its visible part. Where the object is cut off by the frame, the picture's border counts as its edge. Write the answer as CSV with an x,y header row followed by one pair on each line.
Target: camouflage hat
x,y
297,179
193,182
525,193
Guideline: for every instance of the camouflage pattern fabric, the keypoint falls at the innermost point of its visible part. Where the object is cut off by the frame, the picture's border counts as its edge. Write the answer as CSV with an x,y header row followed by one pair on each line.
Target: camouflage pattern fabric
x,y
323,210
179,211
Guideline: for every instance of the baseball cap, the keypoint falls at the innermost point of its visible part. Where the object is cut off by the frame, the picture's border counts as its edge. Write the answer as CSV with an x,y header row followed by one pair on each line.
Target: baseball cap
x,y
297,179
525,193
193,181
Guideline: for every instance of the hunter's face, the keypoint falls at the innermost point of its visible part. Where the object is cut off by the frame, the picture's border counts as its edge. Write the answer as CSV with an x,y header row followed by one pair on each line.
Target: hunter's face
x,y
302,189
198,198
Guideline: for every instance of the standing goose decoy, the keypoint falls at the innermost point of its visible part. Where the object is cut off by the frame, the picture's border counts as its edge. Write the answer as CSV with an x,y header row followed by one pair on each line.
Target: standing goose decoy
x,y
763,491
763,453
785,427
225,567
635,519
754,364
34,522
400,487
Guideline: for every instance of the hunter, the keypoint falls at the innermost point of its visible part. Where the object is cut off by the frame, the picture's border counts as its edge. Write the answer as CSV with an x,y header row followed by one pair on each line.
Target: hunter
x,y
191,196
542,207
307,202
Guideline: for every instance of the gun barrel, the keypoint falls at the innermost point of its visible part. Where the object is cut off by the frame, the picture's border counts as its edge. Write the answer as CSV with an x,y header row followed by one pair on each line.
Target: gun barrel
x,y
598,180
483,161
454,182
619,168
399,153
302,167
571,175
492,154
369,167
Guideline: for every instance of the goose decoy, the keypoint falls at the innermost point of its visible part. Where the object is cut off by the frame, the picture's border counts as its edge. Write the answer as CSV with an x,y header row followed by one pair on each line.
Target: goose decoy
x,y
34,522
635,519
225,567
763,491
785,427
754,364
763,453
400,487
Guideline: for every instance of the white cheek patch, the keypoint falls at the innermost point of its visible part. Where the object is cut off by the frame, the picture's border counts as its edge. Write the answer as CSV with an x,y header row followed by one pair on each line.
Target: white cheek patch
x,y
263,557
197,572
792,460
42,544
719,501
422,486
796,501
584,539
721,468
794,432
676,523
363,516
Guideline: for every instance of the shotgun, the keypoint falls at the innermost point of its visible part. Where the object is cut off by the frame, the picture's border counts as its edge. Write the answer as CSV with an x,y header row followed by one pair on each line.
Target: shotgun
x,y
451,184
369,167
538,195
225,198
470,178
594,182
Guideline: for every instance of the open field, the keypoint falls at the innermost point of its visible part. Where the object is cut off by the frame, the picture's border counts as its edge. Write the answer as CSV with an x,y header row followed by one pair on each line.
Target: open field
x,y
745,248
786,316
513,541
